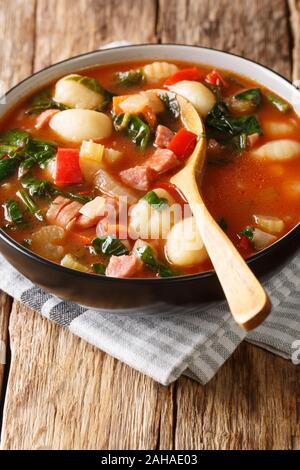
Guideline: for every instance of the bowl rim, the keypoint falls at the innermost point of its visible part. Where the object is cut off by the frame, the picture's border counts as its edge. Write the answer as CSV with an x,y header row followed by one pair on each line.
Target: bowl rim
x,y
167,280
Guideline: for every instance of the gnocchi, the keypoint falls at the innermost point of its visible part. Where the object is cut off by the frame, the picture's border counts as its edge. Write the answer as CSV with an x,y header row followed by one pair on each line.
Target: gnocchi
x,y
282,149
76,125
75,94
184,246
46,242
159,70
198,94
275,129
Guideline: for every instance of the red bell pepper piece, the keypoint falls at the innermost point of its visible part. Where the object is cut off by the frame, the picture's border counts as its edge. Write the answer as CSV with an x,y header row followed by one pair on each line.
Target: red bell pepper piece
x,y
192,73
244,243
183,143
215,78
67,167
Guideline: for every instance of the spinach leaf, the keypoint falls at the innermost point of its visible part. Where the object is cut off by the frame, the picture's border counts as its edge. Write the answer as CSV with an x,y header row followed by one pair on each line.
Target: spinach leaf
x,y
138,131
152,198
223,223
129,77
37,187
30,205
37,152
82,198
248,232
12,212
109,245
253,94
8,167
219,119
15,138
136,128
99,268
147,256
43,101
89,82
171,103
121,121
278,103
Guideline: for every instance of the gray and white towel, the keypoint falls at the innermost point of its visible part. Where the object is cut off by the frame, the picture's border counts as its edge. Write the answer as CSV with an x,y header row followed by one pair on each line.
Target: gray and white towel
x,y
164,341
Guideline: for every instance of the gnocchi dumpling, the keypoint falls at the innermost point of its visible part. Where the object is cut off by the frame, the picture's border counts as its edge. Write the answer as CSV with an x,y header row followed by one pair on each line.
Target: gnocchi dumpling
x,y
146,221
45,242
281,149
184,246
158,71
75,94
198,94
275,129
76,125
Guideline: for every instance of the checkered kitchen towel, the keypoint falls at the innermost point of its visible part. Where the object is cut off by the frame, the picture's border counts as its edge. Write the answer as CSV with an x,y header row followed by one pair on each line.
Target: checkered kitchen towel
x,y
164,341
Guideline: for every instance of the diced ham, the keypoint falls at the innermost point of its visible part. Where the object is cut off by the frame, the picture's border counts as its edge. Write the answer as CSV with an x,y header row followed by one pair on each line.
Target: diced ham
x,y
95,208
99,208
252,140
123,266
63,212
57,205
163,136
83,222
67,216
162,160
43,119
138,177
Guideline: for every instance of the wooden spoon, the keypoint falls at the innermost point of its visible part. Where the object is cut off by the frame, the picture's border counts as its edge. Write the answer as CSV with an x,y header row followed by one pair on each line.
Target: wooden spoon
x,y
247,299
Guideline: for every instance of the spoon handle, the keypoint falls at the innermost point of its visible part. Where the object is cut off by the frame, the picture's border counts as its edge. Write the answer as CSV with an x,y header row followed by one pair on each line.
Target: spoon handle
x,y
247,299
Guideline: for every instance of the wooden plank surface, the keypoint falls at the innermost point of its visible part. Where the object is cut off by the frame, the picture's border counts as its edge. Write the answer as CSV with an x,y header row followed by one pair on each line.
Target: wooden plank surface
x,y
64,394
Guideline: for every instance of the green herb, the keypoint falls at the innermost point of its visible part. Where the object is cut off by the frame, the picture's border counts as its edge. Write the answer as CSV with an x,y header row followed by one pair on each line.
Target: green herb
x,y
12,212
8,167
248,232
26,242
223,223
121,121
129,78
147,256
82,198
99,268
152,198
89,82
43,101
37,152
171,103
136,128
37,187
253,94
278,103
109,245
219,119
138,131
30,205
15,137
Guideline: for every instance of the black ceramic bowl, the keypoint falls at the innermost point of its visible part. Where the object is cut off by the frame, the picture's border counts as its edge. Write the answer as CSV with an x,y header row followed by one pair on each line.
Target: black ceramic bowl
x,y
99,291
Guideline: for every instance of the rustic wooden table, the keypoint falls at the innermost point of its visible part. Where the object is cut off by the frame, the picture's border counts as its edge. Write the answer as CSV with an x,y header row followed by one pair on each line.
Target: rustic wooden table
x,y
62,393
